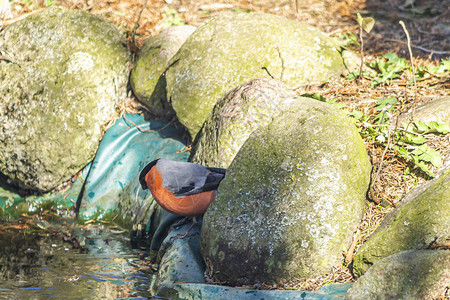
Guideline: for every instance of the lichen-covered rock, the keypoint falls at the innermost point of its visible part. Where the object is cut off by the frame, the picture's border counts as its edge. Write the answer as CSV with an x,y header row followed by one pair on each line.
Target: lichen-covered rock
x,y
422,220
146,81
291,200
437,110
61,74
414,274
240,112
237,47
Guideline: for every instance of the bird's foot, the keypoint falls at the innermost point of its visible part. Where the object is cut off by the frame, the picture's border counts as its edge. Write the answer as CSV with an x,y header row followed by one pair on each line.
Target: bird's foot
x,y
182,236
181,222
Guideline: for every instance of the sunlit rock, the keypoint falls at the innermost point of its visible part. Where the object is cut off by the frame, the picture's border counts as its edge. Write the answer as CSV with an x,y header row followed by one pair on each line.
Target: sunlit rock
x,y
415,274
240,112
146,81
437,110
421,221
61,74
291,200
236,47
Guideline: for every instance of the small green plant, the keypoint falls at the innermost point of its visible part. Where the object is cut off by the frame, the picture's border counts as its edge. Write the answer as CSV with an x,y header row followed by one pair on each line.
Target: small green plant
x,y
367,25
411,145
348,40
171,18
317,96
389,66
385,68
242,10
32,4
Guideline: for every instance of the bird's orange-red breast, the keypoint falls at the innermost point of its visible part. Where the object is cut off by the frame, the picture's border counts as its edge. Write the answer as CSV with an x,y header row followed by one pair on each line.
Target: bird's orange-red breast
x,y
182,188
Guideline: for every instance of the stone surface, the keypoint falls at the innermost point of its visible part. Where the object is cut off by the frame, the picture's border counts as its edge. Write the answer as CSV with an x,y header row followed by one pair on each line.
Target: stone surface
x,y
291,200
437,110
146,81
421,221
181,262
197,291
242,110
236,47
415,274
61,74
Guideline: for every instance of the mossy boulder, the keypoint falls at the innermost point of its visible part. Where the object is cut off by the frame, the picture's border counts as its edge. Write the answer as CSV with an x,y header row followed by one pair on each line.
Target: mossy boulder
x,y
61,74
234,48
414,274
235,116
146,81
292,198
421,221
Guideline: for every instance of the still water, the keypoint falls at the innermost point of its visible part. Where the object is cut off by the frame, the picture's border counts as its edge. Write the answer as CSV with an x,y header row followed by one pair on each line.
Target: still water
x,y
70,262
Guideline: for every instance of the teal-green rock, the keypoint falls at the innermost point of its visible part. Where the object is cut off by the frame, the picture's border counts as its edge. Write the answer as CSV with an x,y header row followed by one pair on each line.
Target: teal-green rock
x,y
146,81
61,74
236,47
414,274
291,200
422,220
235,116
181,261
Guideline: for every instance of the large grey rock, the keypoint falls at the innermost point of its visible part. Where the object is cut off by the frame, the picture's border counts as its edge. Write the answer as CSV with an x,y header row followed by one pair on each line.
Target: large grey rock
x,y
237,47
414,274
437,110
235,116
146,81
421,221
61,74
291,200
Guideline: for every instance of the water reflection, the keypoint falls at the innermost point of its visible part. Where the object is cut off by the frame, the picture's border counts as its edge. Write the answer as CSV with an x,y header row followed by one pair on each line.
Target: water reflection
x,y
71,262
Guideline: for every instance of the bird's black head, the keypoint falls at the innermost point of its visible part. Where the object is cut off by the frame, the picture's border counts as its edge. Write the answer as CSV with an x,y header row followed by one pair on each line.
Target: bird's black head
x,y
144,172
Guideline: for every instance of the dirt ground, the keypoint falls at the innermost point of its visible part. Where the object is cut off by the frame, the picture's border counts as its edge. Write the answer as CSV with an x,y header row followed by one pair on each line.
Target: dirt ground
x,y
428,24
428,21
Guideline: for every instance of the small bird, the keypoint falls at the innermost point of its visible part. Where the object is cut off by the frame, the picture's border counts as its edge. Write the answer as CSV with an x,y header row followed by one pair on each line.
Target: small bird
x,y
182,188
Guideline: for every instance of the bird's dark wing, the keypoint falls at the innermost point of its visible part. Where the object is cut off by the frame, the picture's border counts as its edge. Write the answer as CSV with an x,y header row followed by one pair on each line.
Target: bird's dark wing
x,y
182,178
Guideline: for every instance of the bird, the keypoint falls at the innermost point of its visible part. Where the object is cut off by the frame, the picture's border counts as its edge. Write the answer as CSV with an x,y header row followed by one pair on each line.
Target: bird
x,y
182,188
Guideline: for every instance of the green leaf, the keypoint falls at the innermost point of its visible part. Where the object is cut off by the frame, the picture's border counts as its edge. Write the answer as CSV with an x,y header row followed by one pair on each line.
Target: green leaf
x,y
403,152
420,150
414,158
442,68
357,114
421,127
436,127
387,102
372,132
352,75
366,23
428,155
315,96
348,39
414,139
424,168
